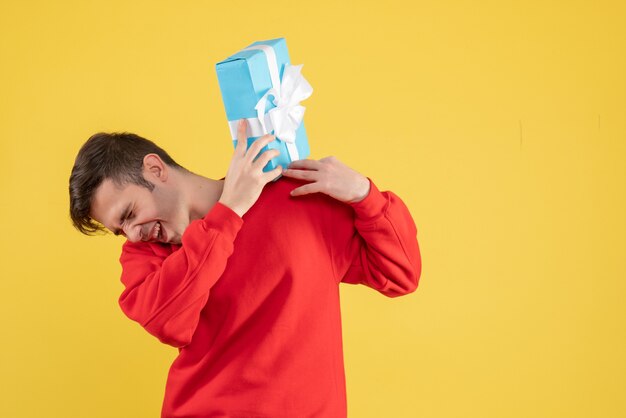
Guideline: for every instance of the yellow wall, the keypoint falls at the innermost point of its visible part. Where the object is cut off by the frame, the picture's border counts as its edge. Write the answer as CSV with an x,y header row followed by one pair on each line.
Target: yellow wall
x,y
501,124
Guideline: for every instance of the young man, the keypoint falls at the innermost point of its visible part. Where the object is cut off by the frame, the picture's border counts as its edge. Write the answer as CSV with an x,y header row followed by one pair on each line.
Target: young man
x,y
242,274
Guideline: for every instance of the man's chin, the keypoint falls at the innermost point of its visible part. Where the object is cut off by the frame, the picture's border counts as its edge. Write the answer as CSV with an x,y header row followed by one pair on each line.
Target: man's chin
x,y
175,238
174,232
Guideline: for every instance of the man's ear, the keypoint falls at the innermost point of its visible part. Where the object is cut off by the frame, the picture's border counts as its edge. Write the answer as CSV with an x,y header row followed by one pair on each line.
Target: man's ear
x,y
154,168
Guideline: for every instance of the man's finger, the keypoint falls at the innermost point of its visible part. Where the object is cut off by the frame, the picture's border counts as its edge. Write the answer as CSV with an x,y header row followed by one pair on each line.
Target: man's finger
x,y
272,174
267,155
301,174
306,189
242,134
307,164
258,144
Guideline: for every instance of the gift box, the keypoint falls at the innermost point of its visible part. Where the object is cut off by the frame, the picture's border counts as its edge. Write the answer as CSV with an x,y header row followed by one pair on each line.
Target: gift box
x,y
259,84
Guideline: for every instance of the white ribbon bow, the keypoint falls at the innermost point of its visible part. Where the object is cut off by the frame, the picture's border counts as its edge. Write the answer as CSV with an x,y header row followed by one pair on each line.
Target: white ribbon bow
x,y
288,113
287,116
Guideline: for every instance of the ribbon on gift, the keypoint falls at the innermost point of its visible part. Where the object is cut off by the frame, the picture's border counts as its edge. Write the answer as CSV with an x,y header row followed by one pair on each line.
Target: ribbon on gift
x,y
286,117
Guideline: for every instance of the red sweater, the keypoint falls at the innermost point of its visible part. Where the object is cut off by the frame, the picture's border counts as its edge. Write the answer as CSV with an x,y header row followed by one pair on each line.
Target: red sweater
x,y
252,302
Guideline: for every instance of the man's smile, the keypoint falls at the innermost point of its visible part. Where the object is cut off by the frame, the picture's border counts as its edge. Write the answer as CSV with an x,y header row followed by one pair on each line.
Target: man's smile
x,y
155,233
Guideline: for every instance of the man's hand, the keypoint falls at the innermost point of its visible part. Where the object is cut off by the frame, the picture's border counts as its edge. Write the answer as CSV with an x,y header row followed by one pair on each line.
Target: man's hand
x,y
245,178
329,176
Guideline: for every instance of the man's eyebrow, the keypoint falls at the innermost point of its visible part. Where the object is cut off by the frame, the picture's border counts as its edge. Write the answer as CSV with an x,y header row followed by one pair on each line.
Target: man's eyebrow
x,y
118,231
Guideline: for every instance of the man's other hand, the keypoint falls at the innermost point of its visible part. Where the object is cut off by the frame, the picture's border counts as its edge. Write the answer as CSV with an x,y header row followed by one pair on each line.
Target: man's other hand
x,y
330,176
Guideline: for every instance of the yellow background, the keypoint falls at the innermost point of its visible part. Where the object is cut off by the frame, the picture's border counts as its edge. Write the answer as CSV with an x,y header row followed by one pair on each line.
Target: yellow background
x,y
502,125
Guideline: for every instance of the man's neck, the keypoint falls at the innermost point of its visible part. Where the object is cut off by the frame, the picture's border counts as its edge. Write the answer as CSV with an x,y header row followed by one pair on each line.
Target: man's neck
x,y
202,193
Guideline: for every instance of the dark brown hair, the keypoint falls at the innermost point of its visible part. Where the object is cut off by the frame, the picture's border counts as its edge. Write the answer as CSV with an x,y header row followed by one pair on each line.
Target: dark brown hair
x,y
115,156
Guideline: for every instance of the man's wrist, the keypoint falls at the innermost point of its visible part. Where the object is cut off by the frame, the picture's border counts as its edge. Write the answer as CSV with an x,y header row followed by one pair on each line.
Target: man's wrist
x,y
232,207
364,190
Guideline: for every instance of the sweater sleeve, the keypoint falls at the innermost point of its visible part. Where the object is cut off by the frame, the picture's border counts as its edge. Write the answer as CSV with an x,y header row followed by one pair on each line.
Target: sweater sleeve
x,y
382,251
165,292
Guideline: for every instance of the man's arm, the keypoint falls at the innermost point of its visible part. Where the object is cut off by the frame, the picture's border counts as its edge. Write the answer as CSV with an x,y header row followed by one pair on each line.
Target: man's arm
x,y
383,253
377,244
165,293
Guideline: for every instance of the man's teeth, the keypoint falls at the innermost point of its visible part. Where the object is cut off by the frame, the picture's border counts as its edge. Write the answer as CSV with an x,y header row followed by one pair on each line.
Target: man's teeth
x,y
157,233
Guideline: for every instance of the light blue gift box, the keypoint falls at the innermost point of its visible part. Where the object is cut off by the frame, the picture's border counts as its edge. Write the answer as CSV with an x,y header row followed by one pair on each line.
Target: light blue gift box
x,y
244,79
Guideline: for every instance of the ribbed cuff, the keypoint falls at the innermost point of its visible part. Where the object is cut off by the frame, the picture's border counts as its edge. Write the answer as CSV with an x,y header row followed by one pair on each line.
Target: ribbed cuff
x,y
372,206
223,219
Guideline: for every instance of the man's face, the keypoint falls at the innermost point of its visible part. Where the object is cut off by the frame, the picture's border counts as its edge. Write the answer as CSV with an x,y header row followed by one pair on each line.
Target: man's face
x,y
140,214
